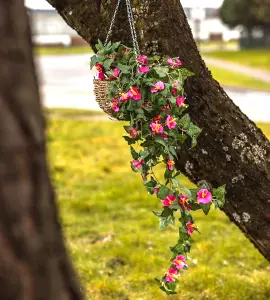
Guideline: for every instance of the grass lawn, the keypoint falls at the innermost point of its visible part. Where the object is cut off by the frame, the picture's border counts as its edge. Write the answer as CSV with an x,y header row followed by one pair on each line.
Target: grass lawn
x,y
113,235
62,50
252,58
233,79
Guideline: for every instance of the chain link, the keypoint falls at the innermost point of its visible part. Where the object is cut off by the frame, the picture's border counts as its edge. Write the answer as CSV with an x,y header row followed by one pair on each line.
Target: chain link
x,y
131,24
112,22
133,29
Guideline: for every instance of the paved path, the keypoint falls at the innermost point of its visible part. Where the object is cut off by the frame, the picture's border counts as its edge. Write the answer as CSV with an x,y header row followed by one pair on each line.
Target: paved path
x,y
250,71
66,81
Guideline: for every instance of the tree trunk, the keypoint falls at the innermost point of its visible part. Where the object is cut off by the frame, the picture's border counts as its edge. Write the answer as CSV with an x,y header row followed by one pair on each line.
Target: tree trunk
x,y
231,149
33,261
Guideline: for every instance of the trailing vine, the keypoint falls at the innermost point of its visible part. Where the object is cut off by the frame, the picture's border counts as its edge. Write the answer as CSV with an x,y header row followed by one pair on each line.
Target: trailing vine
x,y
148,92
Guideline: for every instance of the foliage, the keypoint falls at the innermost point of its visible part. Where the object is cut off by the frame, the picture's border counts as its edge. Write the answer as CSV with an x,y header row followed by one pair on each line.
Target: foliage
x,y
148,93
112,235
249,13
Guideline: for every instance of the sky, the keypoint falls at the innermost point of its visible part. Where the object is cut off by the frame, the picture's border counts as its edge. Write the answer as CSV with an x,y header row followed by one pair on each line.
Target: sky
x,y
43,4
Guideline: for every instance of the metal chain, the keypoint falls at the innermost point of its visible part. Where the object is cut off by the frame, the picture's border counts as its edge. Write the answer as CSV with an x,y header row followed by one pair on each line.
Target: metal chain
x,y
112,22
133,29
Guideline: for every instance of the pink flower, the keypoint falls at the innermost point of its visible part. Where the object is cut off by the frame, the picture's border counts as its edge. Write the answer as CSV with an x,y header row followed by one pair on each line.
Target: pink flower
x,y
156,118
156,189
137,163
170,164
168,200
180,101
183,201
204,196
159,86
132,132
99,68
135,94
174,62
114,105
165,107
125,97
190,226
156,127
179,262
144,69
116,73
143,59
170,122
171,275
164,136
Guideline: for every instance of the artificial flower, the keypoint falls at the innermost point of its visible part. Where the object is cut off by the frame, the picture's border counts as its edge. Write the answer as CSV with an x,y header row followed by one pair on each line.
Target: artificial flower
x,y
170,122
170,164
159,86
137,163
125,97
164,136
156,190
116,73
157,118
168,200
143,69
143,59
190,226
174,62
183,201
114,105
135,94
156,127
204,196
99,68
171,275
132,132
180,101
179,262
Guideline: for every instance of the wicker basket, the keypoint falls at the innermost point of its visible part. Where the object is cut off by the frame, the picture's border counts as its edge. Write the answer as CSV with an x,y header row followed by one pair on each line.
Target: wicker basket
x,y
101,94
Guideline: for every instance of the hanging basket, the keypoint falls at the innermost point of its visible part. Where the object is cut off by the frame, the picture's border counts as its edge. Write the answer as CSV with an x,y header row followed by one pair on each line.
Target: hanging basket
x,y
101,94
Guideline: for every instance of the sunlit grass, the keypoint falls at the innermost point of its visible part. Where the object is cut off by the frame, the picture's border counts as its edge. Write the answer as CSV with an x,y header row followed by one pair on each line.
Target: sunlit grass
x,y
252,58
234,79
62,50
113,235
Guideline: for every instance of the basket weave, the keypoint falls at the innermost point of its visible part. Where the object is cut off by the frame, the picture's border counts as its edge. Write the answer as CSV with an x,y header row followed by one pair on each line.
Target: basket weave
x,y
101,94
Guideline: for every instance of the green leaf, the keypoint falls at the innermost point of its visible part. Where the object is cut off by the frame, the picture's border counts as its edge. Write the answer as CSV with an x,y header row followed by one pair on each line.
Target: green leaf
x,y
184,122
163,192
94,59
161,141
172,100
193,131
172,151
144,154
206,208
123,68
107,63
129,140
165,221
219,195
161,71
167,174
175,204
134,154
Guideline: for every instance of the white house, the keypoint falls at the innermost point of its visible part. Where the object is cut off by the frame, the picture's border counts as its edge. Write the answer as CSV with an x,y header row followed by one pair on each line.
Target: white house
x,y
204,21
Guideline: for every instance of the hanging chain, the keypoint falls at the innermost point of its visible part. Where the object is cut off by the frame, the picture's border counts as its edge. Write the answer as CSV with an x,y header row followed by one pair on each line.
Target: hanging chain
x,y
112,22
133,29
131,24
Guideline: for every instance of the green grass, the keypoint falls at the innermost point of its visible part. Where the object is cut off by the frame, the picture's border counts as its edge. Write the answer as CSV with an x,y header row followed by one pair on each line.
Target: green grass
x,y
113,235
62,50
233,79
252,58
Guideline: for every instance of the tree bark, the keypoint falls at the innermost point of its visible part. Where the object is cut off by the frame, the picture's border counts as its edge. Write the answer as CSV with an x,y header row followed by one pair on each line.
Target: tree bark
x,y
33,263
231,149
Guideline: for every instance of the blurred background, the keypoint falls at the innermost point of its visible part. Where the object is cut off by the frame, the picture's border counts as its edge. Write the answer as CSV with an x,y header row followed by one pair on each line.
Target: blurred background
x,y
111,232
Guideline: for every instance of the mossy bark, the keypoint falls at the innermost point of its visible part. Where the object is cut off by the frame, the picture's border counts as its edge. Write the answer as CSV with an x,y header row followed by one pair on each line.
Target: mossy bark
x,y
33,261
231,149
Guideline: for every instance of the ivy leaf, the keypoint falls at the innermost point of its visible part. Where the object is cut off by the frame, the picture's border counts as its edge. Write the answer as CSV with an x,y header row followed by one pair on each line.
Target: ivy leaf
x,y
144,154
175,204
107,63
163,192
172,100
161,71
123,68
219,194
165,221
161,141
172,151
134,154
206,208
184,122
129,140
93,61
193,131
167,174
